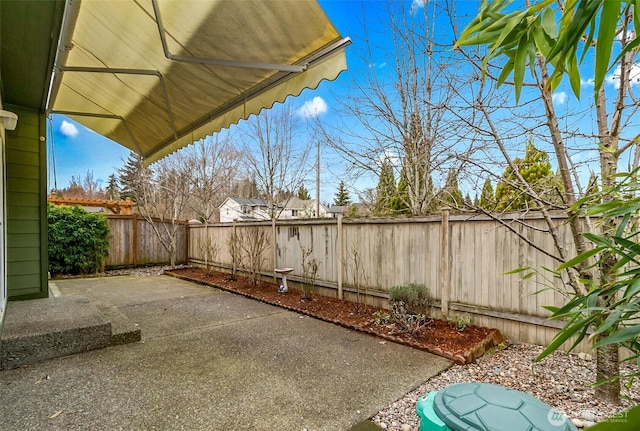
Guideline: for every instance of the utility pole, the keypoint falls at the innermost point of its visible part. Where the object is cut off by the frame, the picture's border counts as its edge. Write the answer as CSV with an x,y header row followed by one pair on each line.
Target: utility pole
x,y
318,180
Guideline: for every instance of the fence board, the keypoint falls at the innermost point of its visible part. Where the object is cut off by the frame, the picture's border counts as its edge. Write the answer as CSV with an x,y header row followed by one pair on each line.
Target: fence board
x,y
132,242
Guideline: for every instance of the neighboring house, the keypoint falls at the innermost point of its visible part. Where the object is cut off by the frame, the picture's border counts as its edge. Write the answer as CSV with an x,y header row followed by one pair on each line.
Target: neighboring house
x,y
296,208
33,44
335,210
243,209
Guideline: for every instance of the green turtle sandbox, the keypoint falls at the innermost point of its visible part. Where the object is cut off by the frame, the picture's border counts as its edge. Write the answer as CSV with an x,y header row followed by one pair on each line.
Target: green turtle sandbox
x,y
487,407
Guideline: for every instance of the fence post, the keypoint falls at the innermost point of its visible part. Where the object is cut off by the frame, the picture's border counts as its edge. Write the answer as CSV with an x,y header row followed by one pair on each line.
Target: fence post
x,y
234,238
187,233
340,256
134,240
275,249
445,253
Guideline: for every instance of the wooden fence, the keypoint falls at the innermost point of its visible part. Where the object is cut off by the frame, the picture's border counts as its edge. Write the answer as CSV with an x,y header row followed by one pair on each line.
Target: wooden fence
x,y
463,261
132,242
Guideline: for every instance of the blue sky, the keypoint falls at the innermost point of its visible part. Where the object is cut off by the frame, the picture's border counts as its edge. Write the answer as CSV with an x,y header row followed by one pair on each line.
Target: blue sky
x,y
77,149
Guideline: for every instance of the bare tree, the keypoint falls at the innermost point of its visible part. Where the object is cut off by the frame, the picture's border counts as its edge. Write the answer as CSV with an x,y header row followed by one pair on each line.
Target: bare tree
x,y
400,106
274,155
212,165
83,187
163,193
91,187
253,242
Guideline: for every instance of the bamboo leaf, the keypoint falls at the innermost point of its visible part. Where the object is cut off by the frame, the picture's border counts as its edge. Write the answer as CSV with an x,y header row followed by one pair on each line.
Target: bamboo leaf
x,y
606,34
543,42
581,258
636,18
611,320
598,239
633,289
562,336
517,270
621,336
506,71
519,64
574,75
549,23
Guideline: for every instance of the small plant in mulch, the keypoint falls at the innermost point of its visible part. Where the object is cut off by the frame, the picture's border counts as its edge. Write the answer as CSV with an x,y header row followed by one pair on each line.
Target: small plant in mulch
x,y
309,273
416,297
411,308
382,318
407,322
209,250
254,242
458,321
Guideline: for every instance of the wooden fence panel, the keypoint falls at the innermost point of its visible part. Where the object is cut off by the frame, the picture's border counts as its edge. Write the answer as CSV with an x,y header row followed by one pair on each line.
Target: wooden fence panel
x,y
120,242
381,253
132,242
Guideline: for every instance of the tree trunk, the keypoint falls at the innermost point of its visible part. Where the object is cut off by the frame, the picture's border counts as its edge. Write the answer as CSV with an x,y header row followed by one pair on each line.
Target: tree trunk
x,y
607,366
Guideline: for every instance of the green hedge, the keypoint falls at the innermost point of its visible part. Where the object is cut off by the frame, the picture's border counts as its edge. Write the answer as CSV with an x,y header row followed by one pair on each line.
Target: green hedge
x,y
78,240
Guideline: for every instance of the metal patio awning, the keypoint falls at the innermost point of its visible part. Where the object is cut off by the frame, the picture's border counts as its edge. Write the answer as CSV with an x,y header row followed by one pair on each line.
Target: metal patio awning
x,y
157,75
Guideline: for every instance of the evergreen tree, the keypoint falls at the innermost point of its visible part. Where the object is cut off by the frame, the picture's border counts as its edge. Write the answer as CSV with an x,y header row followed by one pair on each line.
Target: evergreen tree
x,y
386,190
467,200
451,194
399,202
132,174
535,169
342,195
352,211
487,199
303,193
113,190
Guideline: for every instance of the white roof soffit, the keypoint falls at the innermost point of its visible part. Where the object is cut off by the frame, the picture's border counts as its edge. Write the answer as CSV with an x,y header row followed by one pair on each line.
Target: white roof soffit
x,y
157,75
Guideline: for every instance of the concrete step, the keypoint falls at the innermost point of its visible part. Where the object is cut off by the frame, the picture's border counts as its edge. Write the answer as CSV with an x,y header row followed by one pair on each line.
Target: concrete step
x,y
41,329
123,331
47,328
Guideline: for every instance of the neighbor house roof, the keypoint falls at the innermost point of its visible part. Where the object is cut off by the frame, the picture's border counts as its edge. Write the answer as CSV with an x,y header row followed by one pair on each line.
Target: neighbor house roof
x,y
247,201
158,75
338,209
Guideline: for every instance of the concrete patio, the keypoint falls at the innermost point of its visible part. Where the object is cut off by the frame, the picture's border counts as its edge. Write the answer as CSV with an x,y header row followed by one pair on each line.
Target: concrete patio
x,y
208,360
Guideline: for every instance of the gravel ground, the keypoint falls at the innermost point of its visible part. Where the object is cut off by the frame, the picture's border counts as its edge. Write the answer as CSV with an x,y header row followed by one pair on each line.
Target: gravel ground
x,y
144,271
560,380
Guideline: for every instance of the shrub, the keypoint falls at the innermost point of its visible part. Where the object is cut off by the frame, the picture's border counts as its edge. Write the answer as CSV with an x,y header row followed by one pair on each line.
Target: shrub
x,y
416,297
78,241
253,244
309,272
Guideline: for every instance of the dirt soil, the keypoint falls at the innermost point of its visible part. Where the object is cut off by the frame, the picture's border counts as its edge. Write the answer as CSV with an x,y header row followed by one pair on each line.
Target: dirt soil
x,y
439,337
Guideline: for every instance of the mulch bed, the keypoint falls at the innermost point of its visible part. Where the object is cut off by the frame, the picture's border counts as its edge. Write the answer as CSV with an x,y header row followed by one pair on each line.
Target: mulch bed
x,y
439,337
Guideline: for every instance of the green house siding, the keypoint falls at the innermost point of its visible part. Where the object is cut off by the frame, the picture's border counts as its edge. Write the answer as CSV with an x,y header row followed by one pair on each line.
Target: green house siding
x,y
26,191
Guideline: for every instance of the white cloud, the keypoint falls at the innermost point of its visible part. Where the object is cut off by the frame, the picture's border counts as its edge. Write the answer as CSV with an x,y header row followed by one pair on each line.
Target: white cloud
x,y
389,157
377,65
559,97
586,83
416,4
312,108
68,129
630,36
634,76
